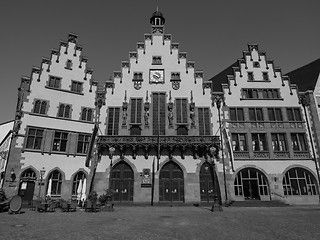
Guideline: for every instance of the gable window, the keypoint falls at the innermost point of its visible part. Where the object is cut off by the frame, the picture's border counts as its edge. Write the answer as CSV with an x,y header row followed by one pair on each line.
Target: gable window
x,y
204,121
256,64
278,142
68,64
182,110
275,114
136,110
87,114
294,114
156,60
60,141
259,142
64,111
265,76
54,82
113,121
299,142
34,138
250,76
83,143
255,114
260,93
236,114
239,142
76,86
40,107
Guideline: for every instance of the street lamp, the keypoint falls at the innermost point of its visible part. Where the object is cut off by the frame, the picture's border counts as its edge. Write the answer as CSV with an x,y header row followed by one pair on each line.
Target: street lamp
x,y
42,172
216,202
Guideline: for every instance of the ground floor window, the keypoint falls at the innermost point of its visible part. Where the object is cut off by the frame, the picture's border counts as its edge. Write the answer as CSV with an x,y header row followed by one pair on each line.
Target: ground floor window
x,y
54,183
251,184
299,181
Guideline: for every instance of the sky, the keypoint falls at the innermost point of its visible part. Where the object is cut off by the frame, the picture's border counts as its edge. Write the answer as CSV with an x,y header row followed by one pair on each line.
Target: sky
x,y
213,33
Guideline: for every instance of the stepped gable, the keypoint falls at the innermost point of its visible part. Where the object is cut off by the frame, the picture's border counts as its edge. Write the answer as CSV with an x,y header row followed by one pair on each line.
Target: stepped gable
x,y
157,30
306,76
252,58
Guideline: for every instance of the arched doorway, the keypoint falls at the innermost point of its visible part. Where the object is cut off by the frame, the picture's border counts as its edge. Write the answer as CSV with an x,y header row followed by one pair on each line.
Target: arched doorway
x,y
121,182
26,186
171,184
206,184
251,184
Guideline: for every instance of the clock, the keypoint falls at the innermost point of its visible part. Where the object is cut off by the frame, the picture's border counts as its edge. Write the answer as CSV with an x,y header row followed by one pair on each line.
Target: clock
x,y
157,76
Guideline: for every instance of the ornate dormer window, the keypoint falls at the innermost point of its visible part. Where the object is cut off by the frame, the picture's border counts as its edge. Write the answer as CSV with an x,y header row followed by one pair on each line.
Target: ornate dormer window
x,y
137,80
156,60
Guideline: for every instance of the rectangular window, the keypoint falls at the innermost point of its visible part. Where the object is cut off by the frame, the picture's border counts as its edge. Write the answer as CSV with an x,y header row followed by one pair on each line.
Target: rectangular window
x,y
159,113
64,111
83,143
182,110
259,142
294,114
275,114
87,114
250,76
236,114
278,142
298,142
136,110
260,93
40,106
204,121
113,120
265,76
255,114
76,87
54,82
239,142
60,141
34,138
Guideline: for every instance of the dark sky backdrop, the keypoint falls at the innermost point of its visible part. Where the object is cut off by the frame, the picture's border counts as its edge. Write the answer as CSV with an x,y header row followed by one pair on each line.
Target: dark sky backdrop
x,y
213,33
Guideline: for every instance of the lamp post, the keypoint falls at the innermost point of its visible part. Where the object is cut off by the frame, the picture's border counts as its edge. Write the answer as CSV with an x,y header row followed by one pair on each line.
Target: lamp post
x,y
42,172
216,202
218,99
306,102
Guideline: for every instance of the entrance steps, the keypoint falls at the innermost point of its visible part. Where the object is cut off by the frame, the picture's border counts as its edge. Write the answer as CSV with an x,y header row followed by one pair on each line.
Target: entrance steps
x,y
256,203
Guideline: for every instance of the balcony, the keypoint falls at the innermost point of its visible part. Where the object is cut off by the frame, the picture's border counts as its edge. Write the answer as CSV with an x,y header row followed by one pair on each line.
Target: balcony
x,y
199,145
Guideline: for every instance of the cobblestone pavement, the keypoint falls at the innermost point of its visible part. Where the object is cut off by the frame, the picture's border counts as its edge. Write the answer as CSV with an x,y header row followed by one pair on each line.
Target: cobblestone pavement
x,y
166,223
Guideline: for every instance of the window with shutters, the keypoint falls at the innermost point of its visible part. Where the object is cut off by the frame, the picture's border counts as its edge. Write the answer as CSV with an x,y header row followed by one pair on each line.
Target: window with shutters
x,y
182,110
60,141
204,121
64,110
159,113
299,142
275,114
34,138
87,114
255,114
236,114
113,120
294,114
136,110
54,82
40,107
83,143
278,142
76,86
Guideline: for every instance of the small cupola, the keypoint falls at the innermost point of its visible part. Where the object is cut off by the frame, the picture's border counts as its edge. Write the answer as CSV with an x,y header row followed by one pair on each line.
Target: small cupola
x,y
157,19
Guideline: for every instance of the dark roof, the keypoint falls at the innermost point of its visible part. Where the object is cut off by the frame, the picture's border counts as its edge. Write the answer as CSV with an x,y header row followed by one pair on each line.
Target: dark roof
x,y
306,77
221,77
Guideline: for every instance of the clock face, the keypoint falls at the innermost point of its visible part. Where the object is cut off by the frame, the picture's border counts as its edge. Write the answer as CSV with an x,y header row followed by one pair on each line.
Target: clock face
x,y
156,76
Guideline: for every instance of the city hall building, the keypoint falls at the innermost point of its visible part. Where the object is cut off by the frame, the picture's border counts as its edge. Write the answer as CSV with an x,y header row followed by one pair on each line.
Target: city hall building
x,y
157,131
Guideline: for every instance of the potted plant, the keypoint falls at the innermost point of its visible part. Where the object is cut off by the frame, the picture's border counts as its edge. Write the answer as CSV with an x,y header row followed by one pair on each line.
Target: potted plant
x,y
106,200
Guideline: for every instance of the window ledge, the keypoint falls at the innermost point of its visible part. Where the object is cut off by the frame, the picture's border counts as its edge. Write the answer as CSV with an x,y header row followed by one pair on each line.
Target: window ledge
x,y
259,81
279,99
63,90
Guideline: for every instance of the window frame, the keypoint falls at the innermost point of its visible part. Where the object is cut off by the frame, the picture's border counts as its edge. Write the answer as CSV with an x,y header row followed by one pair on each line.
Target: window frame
x,y
54,82
83,141
65,113
278,144
261,144
113,121
87,114
239,144
40,106
301,142
36,139
204,121
59,141
76,86
181,111
238,117
275,115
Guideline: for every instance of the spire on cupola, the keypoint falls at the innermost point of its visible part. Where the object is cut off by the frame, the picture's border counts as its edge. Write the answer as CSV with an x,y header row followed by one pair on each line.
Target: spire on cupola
x,y
157,22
